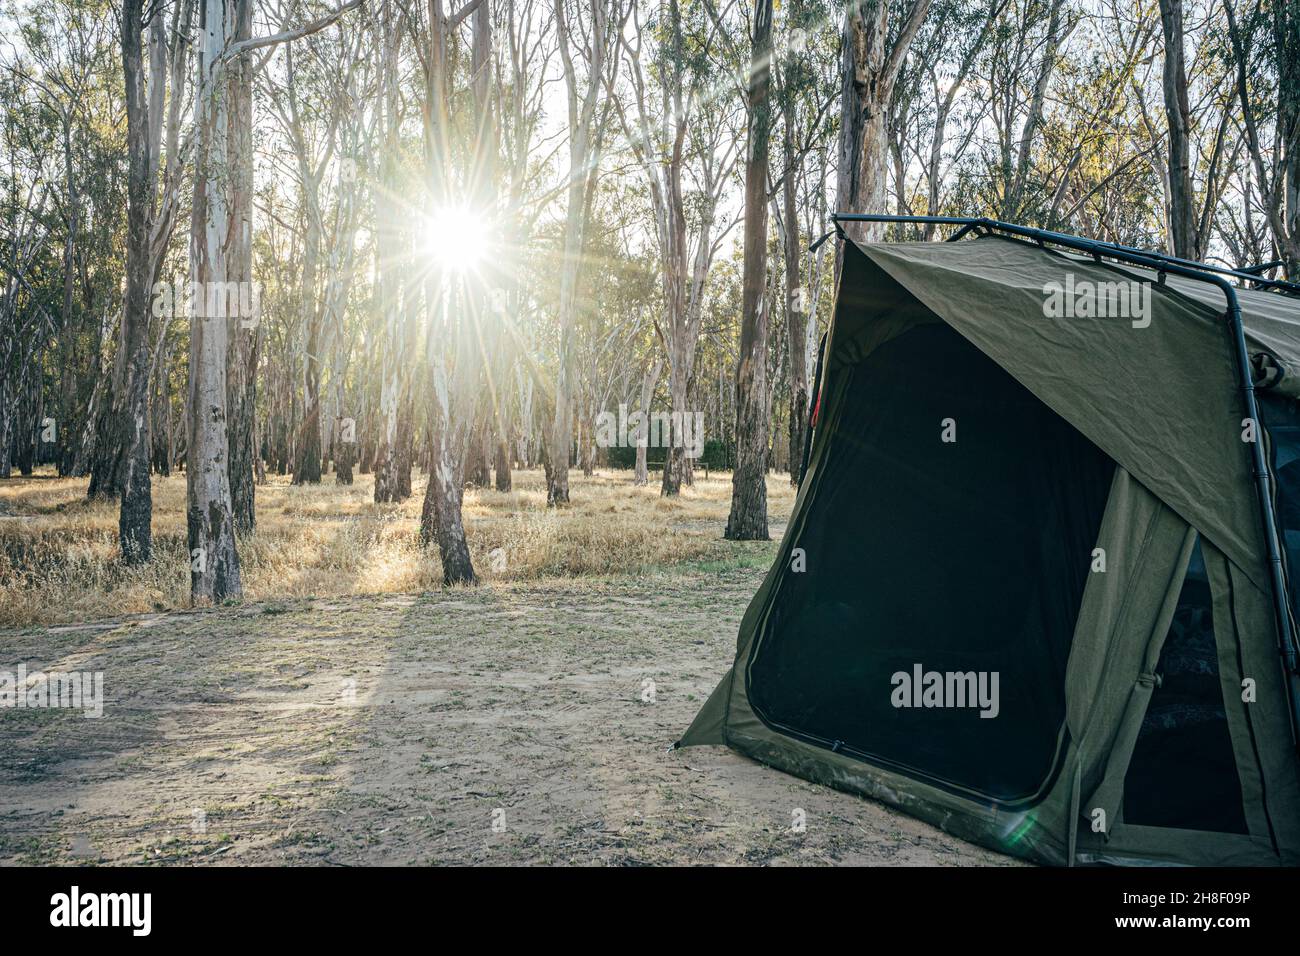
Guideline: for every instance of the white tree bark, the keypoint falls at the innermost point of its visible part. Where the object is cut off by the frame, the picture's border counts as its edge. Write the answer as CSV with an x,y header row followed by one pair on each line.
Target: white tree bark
x,y
214,560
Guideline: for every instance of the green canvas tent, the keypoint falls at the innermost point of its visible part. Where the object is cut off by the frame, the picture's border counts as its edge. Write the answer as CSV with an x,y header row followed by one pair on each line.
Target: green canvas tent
x,y
1026,591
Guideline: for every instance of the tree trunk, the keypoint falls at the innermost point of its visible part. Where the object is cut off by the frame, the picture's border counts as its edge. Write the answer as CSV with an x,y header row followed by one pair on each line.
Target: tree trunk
x,y
451,419
405,450
6,427
242,399
675,456
1277,177
241,391
108,457
648,383
30,415
869,68
306,469
214,564
385,466
503,482
1182,200
586,450
1284,216
388,285
796,309
1016,178
581,117
748,518
479,467
134,530
440,518
345,450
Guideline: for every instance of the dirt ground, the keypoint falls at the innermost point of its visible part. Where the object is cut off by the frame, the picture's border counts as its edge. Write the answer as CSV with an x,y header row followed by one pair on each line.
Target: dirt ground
x,y
492,726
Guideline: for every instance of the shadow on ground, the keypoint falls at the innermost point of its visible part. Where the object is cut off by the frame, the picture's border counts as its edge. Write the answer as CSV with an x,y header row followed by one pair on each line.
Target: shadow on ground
x,y
502,725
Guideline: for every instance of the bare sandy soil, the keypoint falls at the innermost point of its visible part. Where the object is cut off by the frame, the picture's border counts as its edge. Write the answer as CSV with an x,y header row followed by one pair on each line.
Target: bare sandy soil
x,y
503,725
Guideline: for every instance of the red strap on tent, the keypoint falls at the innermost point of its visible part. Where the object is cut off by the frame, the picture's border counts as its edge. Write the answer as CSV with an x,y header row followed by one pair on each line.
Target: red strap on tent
x,y
816,410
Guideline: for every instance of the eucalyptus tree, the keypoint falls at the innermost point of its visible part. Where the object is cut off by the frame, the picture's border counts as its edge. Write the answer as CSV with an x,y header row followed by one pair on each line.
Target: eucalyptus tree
x,y
220,237
460,151
876,41
680,122
748,518
582,92
314,101
1265,55
806,88
527,48
1184,240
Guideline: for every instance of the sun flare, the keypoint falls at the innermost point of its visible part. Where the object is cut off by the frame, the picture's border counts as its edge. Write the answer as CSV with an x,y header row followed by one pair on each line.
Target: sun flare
x,y
456,238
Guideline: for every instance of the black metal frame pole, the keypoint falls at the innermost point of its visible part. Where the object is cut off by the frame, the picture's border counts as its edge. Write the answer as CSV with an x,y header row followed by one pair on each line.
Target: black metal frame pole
x,y
978,223
1262,267
1259,462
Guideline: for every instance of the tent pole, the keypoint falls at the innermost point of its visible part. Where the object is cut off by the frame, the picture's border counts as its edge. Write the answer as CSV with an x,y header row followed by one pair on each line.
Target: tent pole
x,y
1097,246
1259,462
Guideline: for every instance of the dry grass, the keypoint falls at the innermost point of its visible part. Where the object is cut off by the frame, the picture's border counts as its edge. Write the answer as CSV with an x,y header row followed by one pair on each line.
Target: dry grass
x,y
59,556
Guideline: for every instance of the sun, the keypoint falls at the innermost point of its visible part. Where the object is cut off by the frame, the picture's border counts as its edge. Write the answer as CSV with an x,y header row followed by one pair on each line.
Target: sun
x,y
456,238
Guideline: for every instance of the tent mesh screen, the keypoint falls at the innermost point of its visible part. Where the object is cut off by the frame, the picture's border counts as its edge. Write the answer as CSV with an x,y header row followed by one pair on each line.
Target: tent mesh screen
x,y
963,557
1282,420
1183,773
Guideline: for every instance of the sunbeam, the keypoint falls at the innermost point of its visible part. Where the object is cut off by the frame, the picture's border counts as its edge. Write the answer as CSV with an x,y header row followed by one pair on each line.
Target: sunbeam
x,y
456,238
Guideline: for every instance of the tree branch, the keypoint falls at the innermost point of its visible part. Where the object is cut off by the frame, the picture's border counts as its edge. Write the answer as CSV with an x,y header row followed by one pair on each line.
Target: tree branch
x,y
287,36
